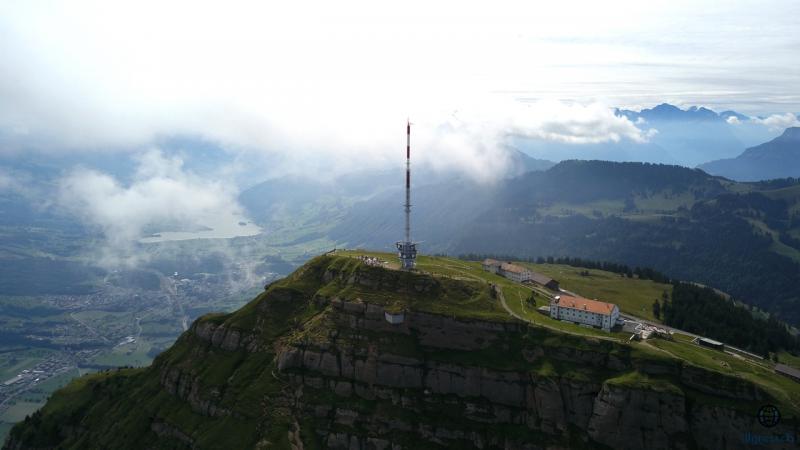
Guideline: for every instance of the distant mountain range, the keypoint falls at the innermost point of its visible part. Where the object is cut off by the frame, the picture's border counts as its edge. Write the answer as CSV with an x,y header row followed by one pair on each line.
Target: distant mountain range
x,y
665,112
778,158
686,137
281,200
697,134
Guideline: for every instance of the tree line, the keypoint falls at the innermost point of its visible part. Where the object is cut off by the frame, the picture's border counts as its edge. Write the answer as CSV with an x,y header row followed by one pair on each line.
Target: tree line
x,y
701,310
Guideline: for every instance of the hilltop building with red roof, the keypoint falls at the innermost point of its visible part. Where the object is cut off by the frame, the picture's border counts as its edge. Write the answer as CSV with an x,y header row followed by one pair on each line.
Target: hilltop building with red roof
x,y
584,311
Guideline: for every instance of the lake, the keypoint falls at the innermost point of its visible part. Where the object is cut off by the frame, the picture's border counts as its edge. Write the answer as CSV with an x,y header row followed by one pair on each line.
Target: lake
x,y
212,227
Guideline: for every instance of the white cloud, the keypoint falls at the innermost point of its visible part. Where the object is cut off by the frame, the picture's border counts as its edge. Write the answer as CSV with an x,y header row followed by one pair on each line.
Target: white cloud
x,y
161,195
322,89
778,122
733,120
327,87
474,139
576,124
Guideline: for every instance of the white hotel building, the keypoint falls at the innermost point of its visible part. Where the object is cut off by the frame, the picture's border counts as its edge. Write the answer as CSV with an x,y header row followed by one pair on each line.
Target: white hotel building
x,y
584,311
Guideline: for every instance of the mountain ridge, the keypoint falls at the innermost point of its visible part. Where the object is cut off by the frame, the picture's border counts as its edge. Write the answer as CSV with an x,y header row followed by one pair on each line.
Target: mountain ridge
x,y
674,136
666,111
312,363
778,158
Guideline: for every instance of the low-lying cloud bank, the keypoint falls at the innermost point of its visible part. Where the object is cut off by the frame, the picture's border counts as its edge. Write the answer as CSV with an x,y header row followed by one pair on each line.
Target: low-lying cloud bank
x,y
774,122
286,87
322,140
161,196
778,122
476,140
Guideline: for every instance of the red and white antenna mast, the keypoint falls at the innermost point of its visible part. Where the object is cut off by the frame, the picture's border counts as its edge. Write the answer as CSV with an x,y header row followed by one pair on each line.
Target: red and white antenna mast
x,y
407,250
408,181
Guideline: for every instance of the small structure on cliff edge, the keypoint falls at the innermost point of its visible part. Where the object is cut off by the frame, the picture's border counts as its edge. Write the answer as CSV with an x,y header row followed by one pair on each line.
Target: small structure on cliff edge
x,y
394,318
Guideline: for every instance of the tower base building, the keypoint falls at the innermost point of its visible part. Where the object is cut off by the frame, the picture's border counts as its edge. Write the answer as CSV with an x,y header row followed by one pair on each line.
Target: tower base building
x,y
407,251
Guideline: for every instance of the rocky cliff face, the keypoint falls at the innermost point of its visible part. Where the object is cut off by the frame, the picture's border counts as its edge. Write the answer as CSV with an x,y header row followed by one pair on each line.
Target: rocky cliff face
x,y
549,406
312,364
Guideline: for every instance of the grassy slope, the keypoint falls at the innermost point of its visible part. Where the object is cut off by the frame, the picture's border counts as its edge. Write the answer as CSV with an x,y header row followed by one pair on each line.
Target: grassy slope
x,y
119,407
631,295
757,372
789,359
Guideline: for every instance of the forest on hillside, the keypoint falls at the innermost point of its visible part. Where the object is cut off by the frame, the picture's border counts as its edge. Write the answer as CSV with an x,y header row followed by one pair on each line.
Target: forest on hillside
x,y
700,310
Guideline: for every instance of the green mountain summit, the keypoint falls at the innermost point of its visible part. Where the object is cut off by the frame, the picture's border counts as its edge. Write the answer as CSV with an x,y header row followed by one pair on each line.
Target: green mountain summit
x,y
347,354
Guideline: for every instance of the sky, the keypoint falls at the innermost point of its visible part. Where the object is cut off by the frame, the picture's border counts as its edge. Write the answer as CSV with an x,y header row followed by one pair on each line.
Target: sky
x,y
309,75
323,87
